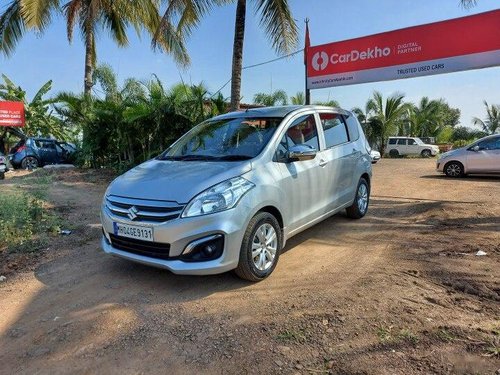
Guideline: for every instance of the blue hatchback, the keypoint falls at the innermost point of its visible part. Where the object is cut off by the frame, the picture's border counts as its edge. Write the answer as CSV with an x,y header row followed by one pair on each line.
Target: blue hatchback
x,y
32,153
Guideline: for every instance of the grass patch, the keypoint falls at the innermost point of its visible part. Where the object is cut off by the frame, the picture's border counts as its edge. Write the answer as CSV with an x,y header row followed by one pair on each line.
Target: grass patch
x,y
25,219
292,336
388,335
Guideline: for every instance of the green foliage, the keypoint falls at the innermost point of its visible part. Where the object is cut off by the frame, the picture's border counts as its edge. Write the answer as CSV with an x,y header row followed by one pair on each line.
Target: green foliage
x,y
25,221
491,124
136,121
38,111
279,97
298,99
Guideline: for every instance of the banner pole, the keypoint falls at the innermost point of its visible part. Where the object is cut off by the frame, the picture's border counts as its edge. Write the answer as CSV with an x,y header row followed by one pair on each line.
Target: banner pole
x,y
306,50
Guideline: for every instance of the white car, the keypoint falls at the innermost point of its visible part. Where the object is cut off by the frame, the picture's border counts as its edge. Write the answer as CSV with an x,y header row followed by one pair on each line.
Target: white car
x,y
400,146
482,156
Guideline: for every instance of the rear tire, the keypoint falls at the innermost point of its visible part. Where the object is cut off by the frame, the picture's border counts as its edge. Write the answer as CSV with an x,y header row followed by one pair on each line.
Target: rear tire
x,y
360,206
426,153
29,162
394,153
454,169
260,249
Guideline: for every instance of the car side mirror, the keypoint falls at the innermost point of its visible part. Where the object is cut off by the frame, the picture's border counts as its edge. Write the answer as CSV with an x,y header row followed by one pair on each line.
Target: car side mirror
x,y
301,152
476,148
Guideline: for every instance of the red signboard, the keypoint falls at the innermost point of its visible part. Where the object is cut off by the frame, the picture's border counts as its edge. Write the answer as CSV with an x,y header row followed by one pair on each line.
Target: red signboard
x,y
465,43
11,113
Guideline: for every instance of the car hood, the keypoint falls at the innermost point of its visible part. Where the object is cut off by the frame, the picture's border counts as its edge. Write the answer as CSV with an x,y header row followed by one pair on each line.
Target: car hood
x,y
177,181
455,152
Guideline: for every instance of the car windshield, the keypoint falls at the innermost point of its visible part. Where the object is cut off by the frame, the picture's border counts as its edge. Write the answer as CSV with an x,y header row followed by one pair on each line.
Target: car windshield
x,y
229,139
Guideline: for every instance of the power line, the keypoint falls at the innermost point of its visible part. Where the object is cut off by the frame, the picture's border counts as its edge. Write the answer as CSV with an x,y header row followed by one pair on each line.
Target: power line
x,y
259,64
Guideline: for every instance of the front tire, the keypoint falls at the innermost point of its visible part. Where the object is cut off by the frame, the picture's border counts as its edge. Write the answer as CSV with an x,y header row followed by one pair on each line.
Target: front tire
x,y
454,169
360,206
426,153
260,249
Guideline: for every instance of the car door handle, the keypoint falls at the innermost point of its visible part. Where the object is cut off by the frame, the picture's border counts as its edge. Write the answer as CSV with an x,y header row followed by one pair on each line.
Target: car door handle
x,y
322,163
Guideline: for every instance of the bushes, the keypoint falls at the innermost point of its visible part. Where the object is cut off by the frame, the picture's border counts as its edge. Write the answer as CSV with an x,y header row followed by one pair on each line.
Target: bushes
x,y
24,221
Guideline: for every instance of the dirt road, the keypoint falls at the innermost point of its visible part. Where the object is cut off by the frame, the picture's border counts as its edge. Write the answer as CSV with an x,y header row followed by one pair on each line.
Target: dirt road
x,y
398,292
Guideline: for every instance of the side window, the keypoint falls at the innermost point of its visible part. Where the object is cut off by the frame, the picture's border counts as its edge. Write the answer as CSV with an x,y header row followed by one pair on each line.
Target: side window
x,y
38,144
302,131
401,142
411,142
352,127
334,129
392,141
490,144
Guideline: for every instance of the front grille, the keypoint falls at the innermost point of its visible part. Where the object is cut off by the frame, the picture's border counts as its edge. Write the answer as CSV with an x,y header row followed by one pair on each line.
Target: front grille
x,y
151,211
145,248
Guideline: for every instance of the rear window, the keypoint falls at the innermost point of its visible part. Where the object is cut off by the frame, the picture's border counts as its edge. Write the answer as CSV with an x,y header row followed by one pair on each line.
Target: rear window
x,y
392,141
352,127
334,129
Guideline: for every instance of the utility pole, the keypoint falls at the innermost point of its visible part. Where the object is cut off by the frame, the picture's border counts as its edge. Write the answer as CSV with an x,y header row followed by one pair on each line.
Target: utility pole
x,y
306,61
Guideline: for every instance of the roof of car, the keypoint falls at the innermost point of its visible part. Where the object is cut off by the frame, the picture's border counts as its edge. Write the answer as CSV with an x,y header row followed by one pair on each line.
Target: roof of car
x,y
278,111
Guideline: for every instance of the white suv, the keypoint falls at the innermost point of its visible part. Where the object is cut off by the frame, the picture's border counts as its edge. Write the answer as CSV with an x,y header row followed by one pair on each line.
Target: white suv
x,y
399,146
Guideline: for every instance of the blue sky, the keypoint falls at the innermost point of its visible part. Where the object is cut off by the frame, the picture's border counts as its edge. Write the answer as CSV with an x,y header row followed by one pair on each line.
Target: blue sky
x,y
49,56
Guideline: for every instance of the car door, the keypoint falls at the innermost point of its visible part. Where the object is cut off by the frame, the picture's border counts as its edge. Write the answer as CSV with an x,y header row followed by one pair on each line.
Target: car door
x,y
412,147
402,146
338,159
48,152
301,181
485,157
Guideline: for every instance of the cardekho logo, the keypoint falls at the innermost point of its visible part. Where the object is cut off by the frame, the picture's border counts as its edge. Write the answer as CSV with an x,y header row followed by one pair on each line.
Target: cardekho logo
x,y
320,61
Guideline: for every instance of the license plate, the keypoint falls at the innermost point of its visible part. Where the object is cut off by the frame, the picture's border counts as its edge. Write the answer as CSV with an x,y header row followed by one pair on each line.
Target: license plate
x,y
133,231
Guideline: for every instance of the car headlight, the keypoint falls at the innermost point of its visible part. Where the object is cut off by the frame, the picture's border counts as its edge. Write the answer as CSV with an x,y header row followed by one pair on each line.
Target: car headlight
x,y
220,197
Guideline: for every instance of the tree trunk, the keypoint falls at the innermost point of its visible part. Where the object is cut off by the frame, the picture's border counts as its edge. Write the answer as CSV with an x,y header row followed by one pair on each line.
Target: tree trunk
x,y
239,35
89,62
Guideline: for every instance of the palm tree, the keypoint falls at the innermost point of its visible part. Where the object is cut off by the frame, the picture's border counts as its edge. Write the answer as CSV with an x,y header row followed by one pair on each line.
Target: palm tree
x,y
278,97
328,103
280,28
425,120
298,99
491,124
115,16
387,114
467,4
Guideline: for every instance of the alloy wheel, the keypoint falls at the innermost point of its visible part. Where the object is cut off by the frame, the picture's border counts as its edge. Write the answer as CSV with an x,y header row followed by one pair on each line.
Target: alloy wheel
x,y
264,247
453,170
362,198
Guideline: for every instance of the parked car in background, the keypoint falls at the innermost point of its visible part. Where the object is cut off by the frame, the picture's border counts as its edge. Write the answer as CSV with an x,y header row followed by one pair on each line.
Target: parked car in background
x,y
231,191
482,156
4,165
30,153
375,155
401,146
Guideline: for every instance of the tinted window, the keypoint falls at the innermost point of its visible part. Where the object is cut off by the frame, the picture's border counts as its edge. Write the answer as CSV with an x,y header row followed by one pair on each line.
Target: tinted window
x,y
490,144
352,127
392,141
401,141
411,142
334,129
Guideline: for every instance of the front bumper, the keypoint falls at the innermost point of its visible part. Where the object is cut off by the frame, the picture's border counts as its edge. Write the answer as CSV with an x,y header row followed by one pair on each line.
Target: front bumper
x,y
434,152
180,232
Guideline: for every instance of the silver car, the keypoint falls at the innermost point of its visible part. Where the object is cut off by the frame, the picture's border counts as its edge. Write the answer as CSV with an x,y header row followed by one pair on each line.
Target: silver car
x,y
482,156
230,192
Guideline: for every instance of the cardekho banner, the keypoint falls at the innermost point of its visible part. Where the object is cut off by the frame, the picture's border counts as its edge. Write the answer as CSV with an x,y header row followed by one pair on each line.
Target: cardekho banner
x,y
12,114
471,42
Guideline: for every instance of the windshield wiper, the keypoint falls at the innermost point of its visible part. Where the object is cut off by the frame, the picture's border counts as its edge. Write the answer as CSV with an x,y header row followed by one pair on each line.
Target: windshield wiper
x,y
234,157
188,158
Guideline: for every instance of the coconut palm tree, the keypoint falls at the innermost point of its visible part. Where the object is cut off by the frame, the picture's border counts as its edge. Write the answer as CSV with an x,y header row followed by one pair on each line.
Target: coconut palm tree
x,y
278,97
424,120
388,115
491,124
298,99
467,4
114,16
275,17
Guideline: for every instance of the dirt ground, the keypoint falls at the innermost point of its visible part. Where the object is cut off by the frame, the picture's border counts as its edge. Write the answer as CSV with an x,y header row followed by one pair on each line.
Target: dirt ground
x,y
399,292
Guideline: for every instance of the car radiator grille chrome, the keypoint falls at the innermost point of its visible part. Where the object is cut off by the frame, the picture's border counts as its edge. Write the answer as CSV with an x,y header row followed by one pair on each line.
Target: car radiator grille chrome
x,y
144,248
141,210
